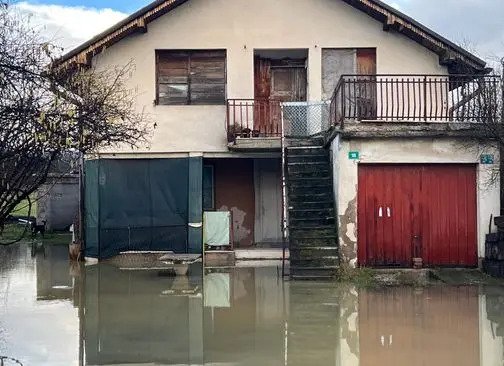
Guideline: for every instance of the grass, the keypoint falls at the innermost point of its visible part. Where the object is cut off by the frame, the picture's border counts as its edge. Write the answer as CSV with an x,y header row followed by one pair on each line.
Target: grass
x,y
22,208
14,231
360,277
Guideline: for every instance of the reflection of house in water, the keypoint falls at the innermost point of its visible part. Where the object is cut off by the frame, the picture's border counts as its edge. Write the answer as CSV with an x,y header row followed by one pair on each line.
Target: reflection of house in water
x,y
249,329
405,326
248,316
492,326
55,275
140,317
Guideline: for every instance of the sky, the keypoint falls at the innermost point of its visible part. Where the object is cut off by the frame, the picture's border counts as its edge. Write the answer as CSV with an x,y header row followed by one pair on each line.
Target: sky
x,y
476,24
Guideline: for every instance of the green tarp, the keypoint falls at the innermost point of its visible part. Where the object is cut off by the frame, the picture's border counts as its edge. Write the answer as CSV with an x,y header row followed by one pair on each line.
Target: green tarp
x,y
140,204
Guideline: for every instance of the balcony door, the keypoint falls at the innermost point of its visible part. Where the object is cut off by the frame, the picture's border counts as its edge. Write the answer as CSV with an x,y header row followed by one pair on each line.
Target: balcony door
x,y
276,81
366,84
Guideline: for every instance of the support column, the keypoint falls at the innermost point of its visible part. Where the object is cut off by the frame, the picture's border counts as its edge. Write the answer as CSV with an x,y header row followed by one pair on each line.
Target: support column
x,y
195,205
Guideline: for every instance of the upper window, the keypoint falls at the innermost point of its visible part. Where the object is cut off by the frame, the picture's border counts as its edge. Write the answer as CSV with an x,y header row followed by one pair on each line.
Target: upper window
x,y
191,77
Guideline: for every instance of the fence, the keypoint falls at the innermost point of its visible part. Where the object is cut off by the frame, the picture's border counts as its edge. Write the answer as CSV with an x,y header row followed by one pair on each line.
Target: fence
x,y
429,98
303,119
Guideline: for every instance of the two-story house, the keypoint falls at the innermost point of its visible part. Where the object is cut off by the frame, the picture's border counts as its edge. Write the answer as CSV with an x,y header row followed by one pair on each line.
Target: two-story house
x,y
360,110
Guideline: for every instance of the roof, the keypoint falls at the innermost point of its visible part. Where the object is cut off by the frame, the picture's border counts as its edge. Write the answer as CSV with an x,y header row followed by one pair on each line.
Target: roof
x,y
457,59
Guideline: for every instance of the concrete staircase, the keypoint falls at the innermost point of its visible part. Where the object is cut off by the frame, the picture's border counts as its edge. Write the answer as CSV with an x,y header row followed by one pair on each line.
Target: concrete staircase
x,y
312,221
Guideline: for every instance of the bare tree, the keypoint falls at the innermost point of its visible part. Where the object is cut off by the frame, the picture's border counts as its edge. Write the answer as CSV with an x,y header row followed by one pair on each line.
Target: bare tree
x,y
47,109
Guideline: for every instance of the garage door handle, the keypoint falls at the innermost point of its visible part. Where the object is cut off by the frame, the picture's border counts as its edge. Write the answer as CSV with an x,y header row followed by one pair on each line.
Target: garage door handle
x,y
389,212
380,212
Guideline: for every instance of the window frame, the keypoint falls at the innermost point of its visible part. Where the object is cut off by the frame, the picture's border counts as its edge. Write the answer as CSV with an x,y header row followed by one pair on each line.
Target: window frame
x,y
210,167
190,53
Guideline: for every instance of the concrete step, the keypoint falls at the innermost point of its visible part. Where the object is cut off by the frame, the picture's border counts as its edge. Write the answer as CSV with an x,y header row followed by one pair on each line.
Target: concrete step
x,y
311,213
297,173
298,243
307,190
297,253
311,222
306,151
314,163
310,181
308,158
309,205
304,141
324,262
321,232
310,197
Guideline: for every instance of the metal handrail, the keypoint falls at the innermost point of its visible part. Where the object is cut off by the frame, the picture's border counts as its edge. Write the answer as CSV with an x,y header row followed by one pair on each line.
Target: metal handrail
x,y
416,97
284,226
252,117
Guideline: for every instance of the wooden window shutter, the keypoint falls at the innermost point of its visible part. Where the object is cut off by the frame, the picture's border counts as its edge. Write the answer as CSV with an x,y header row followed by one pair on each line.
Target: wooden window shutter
x,y
208,77
191,77
172,78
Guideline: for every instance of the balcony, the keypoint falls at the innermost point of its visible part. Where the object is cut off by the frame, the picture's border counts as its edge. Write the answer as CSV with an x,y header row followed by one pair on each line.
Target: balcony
x,y
247,118
250,121
379,104
253,124
416,98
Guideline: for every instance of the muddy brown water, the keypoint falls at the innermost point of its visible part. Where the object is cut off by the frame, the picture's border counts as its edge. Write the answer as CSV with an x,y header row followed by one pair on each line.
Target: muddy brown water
x,y
55,313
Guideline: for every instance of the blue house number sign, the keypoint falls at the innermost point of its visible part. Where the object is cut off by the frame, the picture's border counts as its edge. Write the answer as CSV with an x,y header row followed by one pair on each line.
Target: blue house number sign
x,y
353,155
487,159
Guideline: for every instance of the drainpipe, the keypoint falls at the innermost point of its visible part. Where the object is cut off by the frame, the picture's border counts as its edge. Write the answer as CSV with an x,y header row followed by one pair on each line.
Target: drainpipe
x,y
284,193
81,232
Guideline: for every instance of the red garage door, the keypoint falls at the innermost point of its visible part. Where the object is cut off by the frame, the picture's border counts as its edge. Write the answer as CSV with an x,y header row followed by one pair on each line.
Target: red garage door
x,y
426,211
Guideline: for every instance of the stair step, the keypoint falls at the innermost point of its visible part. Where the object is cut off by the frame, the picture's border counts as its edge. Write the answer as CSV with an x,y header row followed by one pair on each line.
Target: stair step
x,y
322,182
297,253
293,249
313,154
302,180
311,222
320,232
308,205
307,190
311,213
319,263
303,277
298,243
304,141
299,173
314,268
311,197
316,163
313,147
307,159
308,243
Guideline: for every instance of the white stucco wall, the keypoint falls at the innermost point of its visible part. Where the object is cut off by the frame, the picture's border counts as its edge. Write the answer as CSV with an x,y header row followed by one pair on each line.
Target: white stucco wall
x,y
402,150
240,26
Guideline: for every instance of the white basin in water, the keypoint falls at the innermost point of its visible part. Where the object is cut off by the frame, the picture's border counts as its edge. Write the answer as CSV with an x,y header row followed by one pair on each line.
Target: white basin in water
x,y
180,262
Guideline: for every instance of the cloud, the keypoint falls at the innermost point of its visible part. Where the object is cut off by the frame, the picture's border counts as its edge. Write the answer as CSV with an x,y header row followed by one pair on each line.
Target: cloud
x,y
69,26
475,24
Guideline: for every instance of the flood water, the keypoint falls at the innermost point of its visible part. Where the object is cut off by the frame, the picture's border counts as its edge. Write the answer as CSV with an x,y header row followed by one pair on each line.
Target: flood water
x,y
54,313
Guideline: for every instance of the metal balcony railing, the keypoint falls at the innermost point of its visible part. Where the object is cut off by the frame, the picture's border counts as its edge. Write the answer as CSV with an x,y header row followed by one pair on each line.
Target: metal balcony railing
x,y
416,98
248,118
